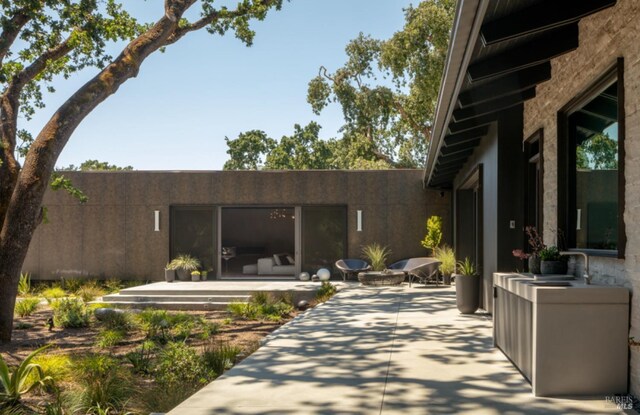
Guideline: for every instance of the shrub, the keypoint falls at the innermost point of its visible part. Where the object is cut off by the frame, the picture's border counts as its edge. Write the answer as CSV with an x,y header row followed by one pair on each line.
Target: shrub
x,y
70,313
26,377
208,328
448,259
73,284
434,233
55,366
326,291
109,338
26,306
377,255
261,306
142,358
24,284
219,356
53,293
121,321
89,292
113,285
101,382
155,323
179,364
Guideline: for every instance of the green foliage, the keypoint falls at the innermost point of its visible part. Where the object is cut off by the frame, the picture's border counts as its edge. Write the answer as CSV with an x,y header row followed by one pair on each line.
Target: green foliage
x,y
466,267
89,292
121,321
70,313
109,338
72,285
100,382
598,152
180,364
248,151
113,285
163,399
261,306
26,377
434,233
304,150
26,306
185,262
326,291
57,367
395,120
53,293
59,182
24,284
142,358
95,165
155,323
447,256
550,253
219,356
377,255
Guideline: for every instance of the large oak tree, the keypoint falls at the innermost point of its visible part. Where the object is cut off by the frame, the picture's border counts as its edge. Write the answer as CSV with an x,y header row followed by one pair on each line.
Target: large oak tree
x,y
41,39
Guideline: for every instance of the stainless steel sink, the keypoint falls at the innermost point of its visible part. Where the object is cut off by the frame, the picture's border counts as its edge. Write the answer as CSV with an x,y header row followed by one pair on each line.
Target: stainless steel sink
x,y
551,283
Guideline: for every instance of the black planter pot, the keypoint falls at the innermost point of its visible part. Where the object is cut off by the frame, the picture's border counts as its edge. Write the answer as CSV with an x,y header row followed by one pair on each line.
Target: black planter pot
x,y
553,267
170,275
534,264
446,279
467,293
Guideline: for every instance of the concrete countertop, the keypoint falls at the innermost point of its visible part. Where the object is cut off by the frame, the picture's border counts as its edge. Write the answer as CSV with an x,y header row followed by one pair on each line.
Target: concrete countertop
x,y
577,293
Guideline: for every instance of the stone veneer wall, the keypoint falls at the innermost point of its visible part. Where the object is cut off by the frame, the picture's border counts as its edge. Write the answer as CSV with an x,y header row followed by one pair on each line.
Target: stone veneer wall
x,y
112,234
604,37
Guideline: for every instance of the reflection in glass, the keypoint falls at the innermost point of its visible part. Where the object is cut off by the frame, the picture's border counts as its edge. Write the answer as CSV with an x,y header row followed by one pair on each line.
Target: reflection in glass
x,y
595,130
324,236
192,232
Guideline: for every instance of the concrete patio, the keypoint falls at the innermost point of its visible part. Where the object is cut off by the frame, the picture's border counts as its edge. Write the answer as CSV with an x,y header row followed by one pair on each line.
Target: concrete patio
x,y
381,351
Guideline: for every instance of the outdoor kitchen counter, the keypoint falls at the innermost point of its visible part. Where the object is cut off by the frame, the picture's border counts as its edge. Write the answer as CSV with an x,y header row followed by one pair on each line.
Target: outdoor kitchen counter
x,y
570,340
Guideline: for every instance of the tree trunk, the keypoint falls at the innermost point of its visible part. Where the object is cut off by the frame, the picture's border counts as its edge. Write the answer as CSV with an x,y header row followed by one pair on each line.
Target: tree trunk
x,y
24,210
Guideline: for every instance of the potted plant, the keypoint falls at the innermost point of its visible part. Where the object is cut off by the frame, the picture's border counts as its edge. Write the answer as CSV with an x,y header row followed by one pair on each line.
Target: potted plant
x,y
204,275
377,255
195,275
467,287
183,265
448,262
169,273
551,262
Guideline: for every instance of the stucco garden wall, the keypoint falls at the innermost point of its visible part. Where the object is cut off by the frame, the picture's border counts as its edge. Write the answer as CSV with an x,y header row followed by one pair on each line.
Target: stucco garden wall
x,y
604,37
112,235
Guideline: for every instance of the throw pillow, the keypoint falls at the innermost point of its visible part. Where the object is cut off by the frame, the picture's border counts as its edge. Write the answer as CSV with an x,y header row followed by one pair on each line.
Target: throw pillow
x,y
276,259
291,260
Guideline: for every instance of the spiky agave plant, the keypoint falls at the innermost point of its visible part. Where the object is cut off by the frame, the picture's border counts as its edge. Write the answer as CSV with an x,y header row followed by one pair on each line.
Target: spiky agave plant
x,y
17,383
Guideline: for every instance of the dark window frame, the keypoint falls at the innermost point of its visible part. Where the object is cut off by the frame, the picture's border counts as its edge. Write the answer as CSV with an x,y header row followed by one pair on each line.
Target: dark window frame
x,y
567,159
531,157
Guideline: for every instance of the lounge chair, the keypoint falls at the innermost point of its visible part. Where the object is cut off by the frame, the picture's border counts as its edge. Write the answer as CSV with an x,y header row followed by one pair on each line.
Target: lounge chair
x,y
352,267
423,269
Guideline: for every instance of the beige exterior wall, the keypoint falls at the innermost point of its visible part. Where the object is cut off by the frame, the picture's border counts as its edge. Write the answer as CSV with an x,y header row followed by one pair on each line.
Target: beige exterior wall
x,y
604,37
112,234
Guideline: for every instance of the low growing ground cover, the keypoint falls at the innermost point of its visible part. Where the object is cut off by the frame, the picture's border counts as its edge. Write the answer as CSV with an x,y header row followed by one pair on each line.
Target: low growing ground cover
x,y
128,361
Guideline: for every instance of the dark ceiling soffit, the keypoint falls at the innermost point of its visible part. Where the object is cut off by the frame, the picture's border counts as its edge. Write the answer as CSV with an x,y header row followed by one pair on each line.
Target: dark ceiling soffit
x,y
505,85
458,127
441,172
449,158
446,183
458,160
552,43
460,138
542,16
493,106
449,151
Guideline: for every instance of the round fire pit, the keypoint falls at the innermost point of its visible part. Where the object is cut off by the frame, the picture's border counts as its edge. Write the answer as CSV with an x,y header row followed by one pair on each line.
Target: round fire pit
x,y
381,277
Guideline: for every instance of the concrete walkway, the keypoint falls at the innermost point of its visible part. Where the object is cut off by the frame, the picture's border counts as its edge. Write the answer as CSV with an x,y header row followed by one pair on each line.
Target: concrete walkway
x,y
380,351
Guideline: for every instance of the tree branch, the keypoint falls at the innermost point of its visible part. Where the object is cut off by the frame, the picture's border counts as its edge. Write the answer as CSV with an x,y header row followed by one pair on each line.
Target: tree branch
x,y
11,30
426,131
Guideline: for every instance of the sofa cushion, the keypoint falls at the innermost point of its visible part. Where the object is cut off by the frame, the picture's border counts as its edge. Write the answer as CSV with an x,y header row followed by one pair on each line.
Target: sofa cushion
x,y
291,260
284,269
276,259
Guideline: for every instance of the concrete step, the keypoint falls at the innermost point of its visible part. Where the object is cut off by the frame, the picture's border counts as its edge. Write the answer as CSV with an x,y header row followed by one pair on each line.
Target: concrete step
x,y
176,298
200,293
190,305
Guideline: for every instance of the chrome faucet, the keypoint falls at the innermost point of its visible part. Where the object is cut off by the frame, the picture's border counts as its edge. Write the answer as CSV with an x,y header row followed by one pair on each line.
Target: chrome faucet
x,y
585,275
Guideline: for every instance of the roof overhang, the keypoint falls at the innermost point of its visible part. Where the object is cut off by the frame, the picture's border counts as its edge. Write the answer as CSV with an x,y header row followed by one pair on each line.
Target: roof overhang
x,y
499,51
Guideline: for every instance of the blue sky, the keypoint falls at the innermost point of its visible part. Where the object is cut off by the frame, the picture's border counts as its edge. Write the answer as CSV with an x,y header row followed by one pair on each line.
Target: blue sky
x,y
176,113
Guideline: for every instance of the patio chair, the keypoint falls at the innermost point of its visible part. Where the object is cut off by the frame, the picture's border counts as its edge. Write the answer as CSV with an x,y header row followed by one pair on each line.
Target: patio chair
x,y
423,269
350,267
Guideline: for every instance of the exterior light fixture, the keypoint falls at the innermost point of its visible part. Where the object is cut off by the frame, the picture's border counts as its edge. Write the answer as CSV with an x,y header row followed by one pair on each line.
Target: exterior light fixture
x,y
359,221
156,217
